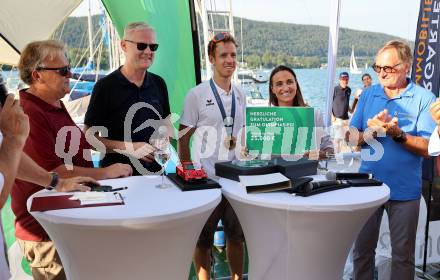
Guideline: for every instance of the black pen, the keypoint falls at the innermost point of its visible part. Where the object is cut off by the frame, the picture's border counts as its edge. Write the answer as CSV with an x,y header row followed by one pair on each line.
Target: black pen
x,y
119,189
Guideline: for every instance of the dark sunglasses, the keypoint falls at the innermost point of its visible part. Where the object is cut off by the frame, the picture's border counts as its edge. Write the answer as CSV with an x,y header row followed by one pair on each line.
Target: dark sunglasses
x,y
218,38
63,71
143,46
386,69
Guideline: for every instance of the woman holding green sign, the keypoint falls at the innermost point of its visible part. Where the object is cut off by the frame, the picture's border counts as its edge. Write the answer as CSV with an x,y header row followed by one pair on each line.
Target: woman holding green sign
x,y
284,91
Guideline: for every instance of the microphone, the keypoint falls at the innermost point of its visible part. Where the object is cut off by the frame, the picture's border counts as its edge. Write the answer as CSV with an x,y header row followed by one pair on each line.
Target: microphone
x,y
321,184
347,176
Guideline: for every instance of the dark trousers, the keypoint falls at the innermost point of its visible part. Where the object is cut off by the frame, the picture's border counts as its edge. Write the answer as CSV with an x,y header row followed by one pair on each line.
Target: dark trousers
x,y
403,217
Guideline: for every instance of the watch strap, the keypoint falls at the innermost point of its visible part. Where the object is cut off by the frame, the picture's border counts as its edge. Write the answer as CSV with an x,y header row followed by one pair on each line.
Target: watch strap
x,y
53,182
401,137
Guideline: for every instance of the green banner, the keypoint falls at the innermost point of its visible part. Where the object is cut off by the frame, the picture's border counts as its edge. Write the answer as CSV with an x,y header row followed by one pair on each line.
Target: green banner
x,y
280,130
171,20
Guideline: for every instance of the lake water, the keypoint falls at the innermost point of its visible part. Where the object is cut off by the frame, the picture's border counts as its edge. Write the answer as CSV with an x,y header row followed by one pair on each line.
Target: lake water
x,y
313,83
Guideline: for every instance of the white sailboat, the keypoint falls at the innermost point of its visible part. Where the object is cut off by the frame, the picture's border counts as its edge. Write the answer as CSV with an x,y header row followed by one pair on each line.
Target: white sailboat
x,y
353,66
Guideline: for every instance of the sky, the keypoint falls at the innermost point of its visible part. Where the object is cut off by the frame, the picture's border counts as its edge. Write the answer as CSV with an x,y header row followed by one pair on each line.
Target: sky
x,y
393,17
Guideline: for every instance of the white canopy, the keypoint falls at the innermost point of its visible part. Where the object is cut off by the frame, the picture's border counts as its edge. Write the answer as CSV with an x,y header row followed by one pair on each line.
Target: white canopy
x,y
23,21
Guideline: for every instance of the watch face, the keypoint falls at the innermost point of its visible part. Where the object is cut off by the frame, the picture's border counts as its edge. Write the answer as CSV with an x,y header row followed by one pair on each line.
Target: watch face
x,y
401,137
54,181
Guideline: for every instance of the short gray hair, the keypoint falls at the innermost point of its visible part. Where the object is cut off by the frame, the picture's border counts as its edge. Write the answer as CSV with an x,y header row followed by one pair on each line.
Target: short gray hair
x,y
134,26
34,54
403,50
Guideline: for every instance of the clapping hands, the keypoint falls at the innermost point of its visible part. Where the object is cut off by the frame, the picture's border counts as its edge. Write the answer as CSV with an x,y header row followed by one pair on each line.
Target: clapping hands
x,y
435,111
384,123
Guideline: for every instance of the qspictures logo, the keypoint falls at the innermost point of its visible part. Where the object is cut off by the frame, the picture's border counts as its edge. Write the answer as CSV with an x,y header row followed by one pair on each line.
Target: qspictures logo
x,y
210,136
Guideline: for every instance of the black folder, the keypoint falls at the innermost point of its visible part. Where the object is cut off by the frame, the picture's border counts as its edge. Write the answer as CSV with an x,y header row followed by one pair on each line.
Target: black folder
x,y
364,182
194,185
290,169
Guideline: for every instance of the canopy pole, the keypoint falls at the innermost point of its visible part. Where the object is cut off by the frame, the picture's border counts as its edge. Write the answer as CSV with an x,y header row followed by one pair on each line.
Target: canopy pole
x,y
335,9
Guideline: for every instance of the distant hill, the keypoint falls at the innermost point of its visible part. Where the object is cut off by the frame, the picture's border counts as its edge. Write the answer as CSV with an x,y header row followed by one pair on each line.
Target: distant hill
x,y
265,43
74,33
272,43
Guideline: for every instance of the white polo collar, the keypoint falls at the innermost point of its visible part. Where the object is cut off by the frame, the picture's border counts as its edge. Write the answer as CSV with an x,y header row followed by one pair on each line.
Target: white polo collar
x,y
222,91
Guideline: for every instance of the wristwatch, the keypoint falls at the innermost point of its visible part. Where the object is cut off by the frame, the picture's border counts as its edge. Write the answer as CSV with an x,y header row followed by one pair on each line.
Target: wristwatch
x,y
401,137
53,182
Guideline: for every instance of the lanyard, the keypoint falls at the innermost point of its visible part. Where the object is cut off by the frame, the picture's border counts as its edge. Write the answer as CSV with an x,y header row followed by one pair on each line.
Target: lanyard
x,y
229,126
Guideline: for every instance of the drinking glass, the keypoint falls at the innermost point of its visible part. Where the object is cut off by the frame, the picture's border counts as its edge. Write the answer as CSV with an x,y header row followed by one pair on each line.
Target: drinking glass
x,y
162,156
325,163
322,167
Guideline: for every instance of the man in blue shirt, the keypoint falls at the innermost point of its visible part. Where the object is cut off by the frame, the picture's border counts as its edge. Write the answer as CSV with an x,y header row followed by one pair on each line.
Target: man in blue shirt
x,y
394,126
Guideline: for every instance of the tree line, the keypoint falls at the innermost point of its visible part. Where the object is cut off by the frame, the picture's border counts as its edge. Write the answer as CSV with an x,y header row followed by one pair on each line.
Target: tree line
x,y
74,33
265,44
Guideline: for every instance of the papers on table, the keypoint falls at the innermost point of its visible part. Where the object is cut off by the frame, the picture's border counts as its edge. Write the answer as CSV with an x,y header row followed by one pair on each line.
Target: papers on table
x,y
87,198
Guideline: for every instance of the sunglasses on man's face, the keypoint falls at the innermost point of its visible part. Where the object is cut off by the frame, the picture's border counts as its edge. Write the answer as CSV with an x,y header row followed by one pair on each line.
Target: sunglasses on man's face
x,y
143,46
386,69
63,71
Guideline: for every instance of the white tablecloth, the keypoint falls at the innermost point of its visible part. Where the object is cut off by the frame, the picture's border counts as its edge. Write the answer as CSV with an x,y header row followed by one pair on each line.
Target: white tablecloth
x,y
292,237
152,236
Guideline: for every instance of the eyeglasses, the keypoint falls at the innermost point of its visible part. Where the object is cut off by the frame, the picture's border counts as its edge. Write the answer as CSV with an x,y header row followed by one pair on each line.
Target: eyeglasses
x,y
218,38
386,69
63,71
142,46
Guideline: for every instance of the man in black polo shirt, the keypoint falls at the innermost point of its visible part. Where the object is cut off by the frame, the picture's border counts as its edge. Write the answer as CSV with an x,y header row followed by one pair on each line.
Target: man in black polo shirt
x,y
128,98
340,108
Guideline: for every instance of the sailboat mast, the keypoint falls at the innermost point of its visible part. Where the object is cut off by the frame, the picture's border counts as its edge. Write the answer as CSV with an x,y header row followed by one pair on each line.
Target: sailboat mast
x,y
109,36
232,31
89,23
241,39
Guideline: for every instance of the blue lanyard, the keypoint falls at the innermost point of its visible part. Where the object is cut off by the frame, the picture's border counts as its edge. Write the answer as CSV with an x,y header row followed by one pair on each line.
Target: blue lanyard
x,y
222,108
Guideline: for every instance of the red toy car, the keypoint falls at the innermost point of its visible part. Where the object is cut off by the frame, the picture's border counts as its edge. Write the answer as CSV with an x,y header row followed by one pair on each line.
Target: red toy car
x,y
190,172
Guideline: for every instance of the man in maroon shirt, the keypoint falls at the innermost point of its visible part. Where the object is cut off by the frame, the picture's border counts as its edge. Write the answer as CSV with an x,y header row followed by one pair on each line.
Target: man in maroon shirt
x,y
14,130
55,143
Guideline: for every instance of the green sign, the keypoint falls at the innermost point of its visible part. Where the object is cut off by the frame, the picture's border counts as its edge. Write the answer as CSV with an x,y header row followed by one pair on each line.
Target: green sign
x,y
280,130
